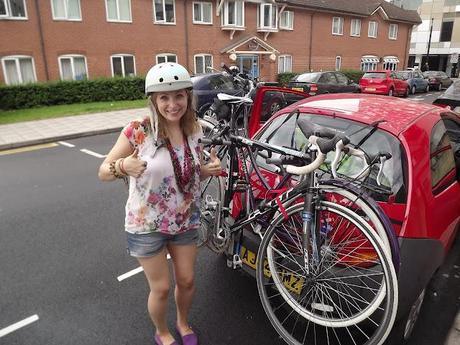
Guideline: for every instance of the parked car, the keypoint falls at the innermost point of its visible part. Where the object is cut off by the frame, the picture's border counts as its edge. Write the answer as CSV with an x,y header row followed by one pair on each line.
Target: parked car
x,y
415,79
450,98
316,83
384,83
438,80
207,86
421,192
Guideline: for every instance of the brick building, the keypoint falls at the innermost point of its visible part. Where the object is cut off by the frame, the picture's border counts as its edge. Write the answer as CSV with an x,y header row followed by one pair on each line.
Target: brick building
x,y
73,39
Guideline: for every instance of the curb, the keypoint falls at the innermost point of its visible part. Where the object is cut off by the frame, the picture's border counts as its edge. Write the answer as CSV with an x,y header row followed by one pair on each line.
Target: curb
x,y
58,137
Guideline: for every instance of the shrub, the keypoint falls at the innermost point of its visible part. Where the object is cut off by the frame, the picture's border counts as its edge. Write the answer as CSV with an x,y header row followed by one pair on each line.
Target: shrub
x,y
69,92
353,74
284,78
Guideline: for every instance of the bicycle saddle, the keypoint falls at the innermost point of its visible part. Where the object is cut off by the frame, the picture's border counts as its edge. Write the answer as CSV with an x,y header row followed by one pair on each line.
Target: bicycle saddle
x,y
233,99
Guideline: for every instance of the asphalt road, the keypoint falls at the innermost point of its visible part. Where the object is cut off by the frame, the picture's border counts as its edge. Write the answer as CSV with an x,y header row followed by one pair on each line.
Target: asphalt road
x,y
62,249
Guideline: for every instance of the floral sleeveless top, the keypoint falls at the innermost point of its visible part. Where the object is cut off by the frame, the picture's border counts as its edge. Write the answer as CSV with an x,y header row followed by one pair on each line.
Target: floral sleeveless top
x,y
155,203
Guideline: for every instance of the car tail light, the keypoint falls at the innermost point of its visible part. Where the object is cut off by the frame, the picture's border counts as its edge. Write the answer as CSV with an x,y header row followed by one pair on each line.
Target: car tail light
x,y
313,89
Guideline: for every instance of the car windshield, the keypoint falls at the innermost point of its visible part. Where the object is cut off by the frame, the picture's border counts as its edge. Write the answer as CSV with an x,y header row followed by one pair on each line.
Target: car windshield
x,y
403,75
432,74
307,77
375,75
288,134
453,90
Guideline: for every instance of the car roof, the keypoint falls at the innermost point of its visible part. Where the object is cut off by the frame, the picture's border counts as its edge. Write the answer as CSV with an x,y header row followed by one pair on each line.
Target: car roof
x,y
366,108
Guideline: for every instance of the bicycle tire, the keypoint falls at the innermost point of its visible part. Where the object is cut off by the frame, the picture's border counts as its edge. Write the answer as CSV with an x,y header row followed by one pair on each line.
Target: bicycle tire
x,y
290,312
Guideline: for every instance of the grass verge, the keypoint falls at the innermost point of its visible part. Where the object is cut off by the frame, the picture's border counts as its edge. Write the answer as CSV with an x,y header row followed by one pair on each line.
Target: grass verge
x,y
21,115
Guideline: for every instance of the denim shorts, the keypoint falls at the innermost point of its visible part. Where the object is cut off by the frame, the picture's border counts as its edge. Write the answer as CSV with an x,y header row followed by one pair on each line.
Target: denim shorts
x,y
150,244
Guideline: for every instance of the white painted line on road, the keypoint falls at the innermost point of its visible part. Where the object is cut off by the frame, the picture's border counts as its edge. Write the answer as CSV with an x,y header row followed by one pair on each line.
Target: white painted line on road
x,y
17,325
135,271
63,143
92,153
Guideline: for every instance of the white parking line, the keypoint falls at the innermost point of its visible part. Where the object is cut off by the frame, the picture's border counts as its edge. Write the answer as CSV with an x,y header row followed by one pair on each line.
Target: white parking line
x,y
17,325
135,271
63,143
92,153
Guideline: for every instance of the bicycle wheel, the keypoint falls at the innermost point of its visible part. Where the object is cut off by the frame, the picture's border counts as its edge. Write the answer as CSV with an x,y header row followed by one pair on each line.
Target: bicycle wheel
x,y
349,296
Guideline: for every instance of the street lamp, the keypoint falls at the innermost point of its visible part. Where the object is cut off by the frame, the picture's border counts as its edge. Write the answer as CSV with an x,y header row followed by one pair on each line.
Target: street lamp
x,y
429,43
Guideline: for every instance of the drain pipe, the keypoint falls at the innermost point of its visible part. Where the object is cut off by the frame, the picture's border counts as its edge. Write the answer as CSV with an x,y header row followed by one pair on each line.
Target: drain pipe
x,y
186,37
42,40
311,39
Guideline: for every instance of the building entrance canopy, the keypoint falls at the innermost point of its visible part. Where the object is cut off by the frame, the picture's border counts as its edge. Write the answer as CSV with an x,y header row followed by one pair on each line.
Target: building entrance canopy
x,y
251,45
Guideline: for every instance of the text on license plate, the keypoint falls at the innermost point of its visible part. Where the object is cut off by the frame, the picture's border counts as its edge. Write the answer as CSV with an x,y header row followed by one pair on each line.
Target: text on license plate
x,y
297,88
370,88
292,282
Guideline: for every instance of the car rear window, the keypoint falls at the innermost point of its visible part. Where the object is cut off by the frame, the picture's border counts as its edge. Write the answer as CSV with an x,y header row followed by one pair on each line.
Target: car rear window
x,y
307,77
287,133
375,75
453,90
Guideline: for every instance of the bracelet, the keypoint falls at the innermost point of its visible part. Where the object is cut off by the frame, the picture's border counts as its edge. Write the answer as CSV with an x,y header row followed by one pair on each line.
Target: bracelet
x,y
113,170
122,168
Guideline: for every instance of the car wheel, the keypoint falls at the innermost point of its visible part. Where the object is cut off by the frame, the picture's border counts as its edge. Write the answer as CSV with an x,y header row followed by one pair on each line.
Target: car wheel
x,y
210,113
406,94
439,87
413,89
403,328
390,92
427,89
274,107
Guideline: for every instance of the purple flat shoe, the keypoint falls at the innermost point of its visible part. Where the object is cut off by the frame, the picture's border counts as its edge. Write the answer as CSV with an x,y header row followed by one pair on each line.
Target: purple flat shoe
x,y
188,339
159,342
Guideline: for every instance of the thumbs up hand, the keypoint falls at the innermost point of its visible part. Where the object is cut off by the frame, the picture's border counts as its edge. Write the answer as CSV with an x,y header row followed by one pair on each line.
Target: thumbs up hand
x,y
133,165
213,167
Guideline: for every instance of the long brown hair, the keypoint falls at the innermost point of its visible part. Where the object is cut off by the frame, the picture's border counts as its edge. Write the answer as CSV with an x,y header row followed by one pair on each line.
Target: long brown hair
x,y
188,122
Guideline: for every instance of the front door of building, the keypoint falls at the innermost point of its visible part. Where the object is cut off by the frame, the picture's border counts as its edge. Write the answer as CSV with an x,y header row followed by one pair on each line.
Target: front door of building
x,y
248,64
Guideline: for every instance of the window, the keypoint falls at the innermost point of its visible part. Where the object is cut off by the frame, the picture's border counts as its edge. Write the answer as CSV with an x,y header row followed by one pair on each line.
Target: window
x,y
337,26
166,58
66,9
202,13
342,79
18,70
327,78
118,10
442,160
285,64
123,65
14,9
390,63
338,63
202,62
372,32
355,29
268,16
369,63
233,13
446,31
164,12
73,67
287,20
393,31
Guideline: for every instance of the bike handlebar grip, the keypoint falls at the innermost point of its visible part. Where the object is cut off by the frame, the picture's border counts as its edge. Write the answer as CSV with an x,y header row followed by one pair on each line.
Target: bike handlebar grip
x,y
214,141
327,145
308,129
275,161
225,67
304,170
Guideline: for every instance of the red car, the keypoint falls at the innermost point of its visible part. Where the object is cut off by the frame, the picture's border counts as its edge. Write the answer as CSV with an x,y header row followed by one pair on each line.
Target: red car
x,y
384,83
420,191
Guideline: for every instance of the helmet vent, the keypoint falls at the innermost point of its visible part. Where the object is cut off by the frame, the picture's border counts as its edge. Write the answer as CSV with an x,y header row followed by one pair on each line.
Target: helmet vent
x,y
176,77
161,80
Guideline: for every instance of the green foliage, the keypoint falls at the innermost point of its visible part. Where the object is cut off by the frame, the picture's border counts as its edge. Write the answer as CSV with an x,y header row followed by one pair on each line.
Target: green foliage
x,y
284,78
353,74
70,92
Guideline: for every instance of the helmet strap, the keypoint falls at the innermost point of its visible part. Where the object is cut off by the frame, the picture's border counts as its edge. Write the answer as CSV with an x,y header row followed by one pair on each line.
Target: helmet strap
x,y
153,115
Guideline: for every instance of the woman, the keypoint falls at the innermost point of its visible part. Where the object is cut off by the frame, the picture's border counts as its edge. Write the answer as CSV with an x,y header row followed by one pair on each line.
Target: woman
x,y
161,155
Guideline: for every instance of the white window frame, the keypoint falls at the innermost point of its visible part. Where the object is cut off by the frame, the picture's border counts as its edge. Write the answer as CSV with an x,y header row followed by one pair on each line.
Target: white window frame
x,y
393,32
8,11
338,63
225,14
370,63
340,26
289,19
118,13
204,59
165,55
282,66
374,32
66,17
122,56
352,26
273,25
72,64
16,59
201,4
164,22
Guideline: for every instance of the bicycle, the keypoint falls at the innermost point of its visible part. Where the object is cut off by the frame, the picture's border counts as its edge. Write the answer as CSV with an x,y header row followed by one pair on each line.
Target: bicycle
x,y
315,242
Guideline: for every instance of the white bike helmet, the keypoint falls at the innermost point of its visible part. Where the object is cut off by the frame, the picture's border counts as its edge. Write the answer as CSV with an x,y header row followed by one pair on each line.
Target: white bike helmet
x,y
167,76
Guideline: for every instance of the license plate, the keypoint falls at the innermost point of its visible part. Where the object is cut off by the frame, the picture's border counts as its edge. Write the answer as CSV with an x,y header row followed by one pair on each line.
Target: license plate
x,y
370,89
297,89
292,282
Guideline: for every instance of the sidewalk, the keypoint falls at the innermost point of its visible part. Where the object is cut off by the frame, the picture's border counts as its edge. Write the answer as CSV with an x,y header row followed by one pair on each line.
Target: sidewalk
x,y
43,131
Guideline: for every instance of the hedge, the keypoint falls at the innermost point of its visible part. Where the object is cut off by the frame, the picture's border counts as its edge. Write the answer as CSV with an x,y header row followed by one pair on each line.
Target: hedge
x,y
355,75
70,92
